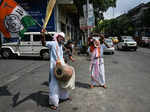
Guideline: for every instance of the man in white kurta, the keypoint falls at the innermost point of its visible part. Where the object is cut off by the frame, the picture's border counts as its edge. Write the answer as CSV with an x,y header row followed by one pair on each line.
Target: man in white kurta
x,y
56,92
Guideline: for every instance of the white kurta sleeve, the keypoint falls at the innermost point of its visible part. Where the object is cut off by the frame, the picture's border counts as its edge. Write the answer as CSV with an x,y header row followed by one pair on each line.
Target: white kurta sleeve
x,y
49,44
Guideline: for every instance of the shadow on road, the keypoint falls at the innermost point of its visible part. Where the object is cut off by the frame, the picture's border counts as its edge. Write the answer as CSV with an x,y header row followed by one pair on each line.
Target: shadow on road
x,y
82,85
40,97
127,50
4,91
77,84
26,58
45,83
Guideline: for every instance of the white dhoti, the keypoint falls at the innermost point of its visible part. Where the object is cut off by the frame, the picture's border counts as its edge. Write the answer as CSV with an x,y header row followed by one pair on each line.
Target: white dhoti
x,y
57,90
98,73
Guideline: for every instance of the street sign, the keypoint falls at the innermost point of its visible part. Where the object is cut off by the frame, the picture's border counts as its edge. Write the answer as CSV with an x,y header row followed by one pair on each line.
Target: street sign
x,y
82,23
89,18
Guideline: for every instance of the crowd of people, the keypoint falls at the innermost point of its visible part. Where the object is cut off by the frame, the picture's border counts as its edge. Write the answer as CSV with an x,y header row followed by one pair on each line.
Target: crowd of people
x,y
59,89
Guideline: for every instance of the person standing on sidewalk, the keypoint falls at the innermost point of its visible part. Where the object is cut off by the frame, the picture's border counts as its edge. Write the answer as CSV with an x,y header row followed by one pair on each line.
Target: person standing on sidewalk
x,y
97,63
56,91
69,50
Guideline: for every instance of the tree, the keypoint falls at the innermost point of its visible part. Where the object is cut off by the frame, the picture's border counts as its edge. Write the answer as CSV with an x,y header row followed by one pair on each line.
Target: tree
x,y
100,6
116,27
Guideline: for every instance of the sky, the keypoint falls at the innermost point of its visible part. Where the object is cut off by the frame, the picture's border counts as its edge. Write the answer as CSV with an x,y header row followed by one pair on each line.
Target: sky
x,y
122,6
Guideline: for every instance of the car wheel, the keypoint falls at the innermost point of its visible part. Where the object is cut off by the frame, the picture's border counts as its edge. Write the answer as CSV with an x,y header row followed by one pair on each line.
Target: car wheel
x,y
6,53
45,55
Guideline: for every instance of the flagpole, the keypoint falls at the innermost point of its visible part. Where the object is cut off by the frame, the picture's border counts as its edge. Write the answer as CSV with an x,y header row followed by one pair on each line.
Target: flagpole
x,y
39,24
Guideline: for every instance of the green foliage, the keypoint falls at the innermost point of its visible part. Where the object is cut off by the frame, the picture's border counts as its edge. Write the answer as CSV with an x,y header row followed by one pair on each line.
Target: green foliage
x,y
99,5
113,27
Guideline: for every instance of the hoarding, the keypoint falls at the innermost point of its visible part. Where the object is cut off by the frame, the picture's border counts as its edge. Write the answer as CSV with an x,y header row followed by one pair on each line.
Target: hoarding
x,y
37,9
91,19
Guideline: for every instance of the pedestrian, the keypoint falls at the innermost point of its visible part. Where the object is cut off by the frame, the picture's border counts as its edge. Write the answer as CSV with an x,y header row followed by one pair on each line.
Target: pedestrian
x,y
97,63
57,92
69,49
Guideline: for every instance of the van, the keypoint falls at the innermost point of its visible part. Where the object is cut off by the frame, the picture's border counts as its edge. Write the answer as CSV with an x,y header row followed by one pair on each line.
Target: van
x,y
29,45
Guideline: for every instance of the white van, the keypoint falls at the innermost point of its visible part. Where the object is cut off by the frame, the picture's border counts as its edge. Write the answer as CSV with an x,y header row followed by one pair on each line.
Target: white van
x,y
30,45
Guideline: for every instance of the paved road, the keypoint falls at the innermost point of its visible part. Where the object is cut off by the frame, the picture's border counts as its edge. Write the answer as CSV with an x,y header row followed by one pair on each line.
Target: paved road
x,y
24,86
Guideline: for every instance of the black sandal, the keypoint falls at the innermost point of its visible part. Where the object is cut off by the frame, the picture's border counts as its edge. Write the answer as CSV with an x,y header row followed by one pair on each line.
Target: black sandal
x,y
53,107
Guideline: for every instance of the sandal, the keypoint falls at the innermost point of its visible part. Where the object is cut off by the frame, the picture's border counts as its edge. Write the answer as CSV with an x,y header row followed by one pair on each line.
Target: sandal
x,y
91,86
53,107
104,86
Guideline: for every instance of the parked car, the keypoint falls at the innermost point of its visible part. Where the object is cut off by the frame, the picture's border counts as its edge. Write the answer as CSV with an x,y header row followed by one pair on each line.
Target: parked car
x,y
127,44
30,45
145,41
110,38
110,50
126,37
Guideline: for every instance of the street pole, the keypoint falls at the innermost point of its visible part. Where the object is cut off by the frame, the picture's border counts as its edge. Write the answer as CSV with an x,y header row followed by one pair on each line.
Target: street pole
x,y
113,12
87,4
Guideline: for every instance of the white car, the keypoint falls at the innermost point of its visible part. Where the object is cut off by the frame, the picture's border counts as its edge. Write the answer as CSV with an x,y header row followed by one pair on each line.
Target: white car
x,y
111,45
126,37
127,44
30,45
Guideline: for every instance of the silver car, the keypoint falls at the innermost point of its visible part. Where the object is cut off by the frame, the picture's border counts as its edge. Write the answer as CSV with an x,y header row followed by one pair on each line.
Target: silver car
x,y
110,50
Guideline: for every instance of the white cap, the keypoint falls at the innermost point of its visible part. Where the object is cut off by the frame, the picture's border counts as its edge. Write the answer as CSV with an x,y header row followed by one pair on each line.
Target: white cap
x,y
62,34
57,34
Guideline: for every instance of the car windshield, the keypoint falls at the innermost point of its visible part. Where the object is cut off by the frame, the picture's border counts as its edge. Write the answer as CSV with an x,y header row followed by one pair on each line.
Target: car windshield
x,y
127,37
129,40
109,42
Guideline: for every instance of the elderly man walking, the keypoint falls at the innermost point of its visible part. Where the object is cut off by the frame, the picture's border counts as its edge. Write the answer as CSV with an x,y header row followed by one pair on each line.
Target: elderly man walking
x,y
56,91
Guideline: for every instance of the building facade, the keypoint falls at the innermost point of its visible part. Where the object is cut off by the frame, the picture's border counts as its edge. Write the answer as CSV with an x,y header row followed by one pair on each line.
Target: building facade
x,y
138,16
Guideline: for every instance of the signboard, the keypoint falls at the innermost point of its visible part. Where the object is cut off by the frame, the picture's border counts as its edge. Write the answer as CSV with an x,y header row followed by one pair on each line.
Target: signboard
x,y
91,18
82,23
37,9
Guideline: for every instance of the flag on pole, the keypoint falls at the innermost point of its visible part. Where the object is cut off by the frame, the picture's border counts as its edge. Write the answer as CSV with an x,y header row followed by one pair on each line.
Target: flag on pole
x,y
49,10
13,19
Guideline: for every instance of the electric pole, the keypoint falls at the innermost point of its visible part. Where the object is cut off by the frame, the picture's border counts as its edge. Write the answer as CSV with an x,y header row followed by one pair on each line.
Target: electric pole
x,y
87,5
